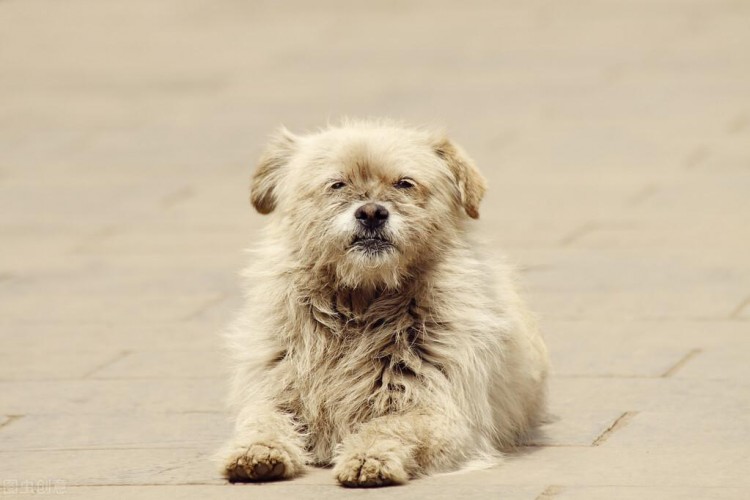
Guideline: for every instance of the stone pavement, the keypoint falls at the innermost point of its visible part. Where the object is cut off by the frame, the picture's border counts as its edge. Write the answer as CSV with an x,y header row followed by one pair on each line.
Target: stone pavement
x,y
616,138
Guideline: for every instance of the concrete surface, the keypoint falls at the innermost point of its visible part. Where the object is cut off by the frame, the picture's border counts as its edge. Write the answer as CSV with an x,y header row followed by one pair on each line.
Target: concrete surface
x,y
616,138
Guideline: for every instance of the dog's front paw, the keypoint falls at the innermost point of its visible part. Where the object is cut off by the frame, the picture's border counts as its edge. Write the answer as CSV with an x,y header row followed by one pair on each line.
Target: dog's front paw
x,y
260,462
366,470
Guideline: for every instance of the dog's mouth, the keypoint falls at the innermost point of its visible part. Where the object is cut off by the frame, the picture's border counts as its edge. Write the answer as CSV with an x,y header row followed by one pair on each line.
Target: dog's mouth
x,y
372,244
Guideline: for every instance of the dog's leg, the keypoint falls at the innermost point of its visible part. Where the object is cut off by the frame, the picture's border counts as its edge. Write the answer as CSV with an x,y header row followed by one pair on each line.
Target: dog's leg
x,y
266,446
391,449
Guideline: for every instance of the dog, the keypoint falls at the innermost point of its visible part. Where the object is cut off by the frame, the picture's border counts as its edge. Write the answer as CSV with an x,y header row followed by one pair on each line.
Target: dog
x,y
376,337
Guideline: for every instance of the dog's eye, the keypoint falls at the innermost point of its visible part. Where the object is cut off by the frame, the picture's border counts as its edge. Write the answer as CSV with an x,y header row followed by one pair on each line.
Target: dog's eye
x,y
338,185
404,184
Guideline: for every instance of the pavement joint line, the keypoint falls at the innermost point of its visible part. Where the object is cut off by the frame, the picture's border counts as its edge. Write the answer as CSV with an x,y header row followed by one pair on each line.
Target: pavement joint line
x,y
504,139
578,233
604,376
89,241
141,413
151,323
6,277
177,197
653,319
618,424
110,379
11,419
682,362
125,323
120,355
738,310
550,491
553,445
218,483
115,448
697,156
643,195
738,124
532,268
223,484
221,297
168,469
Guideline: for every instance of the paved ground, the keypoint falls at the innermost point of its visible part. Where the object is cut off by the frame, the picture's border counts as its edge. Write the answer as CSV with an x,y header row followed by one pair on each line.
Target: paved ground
x,y
615,135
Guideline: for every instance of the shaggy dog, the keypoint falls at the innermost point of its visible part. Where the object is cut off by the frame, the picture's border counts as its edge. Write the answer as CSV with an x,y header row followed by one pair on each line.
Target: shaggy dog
x,y
376,337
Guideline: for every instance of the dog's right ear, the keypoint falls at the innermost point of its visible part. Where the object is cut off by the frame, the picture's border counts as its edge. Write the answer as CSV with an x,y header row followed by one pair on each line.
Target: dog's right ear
x,y
270,169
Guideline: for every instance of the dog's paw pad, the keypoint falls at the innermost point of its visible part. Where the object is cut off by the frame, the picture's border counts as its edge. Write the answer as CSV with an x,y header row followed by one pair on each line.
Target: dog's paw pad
x,y
369,472
258,463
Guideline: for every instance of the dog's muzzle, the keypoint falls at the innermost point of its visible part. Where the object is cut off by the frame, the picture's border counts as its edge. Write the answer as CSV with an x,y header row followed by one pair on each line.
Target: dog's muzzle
x,y
371,222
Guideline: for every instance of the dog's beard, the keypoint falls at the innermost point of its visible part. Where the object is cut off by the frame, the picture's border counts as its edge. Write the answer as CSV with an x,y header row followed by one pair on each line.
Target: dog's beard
x,y
371,260
372,244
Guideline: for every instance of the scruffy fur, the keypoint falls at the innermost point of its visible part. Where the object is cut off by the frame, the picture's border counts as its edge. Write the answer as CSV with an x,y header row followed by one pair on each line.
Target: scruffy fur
x,y
388,363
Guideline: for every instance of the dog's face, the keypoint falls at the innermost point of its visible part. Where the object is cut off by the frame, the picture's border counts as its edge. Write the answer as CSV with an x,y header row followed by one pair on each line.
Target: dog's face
x,y
368,204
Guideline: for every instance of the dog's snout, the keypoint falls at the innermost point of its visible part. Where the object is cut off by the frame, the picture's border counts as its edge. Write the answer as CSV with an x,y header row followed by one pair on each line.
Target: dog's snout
x,y
371,215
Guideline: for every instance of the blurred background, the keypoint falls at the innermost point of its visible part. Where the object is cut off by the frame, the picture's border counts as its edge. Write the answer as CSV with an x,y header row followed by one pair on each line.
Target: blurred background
x,y
615,135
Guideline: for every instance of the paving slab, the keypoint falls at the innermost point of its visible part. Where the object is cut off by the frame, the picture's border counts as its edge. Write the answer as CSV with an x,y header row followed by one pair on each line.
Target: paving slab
x,y
708,429
112,467
657,394
572,425
701,349
66,432
294,490
654,492
203,364
610,466
45,364
108,396
152,306
120,334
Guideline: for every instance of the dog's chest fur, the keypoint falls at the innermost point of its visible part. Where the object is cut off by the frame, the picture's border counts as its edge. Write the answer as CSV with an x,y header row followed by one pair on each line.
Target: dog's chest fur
x,y
354,356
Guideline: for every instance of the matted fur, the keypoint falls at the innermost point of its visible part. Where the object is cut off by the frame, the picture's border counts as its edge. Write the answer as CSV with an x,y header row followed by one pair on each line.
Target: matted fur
x,y
387,364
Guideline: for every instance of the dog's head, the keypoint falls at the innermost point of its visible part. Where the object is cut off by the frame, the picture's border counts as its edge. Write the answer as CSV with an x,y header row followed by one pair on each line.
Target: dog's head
x,y
368,203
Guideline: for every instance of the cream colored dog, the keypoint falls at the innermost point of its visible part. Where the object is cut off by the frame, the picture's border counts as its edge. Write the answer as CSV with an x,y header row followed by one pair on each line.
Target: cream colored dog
x,y
376,337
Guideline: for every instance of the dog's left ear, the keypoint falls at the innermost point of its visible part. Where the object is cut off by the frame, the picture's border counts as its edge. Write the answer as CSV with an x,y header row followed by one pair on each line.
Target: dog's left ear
x,y
270,170
471,184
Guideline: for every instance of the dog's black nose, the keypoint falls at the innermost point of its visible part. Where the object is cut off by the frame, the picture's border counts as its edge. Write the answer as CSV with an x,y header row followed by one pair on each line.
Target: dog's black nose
x,y
371,215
